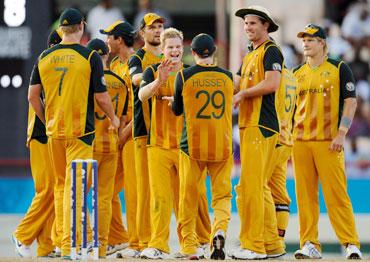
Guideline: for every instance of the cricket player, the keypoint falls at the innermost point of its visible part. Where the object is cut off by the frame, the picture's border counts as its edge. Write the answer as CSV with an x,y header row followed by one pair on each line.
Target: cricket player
x,y
120,40
257,81
71,76
150,29
106,143
326,104
203,94
163,147
38,221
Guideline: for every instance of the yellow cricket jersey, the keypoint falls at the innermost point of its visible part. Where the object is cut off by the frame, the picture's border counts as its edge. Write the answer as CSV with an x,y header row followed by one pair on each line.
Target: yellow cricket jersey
x,y
204,93
141,112
106,140
259,111
70,74
165,126
121,69
285,105
320,100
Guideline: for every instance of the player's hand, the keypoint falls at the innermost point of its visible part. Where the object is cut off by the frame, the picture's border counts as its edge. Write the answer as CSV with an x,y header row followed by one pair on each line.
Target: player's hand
x,y
337,143
170,99
164,70
238,98
114,123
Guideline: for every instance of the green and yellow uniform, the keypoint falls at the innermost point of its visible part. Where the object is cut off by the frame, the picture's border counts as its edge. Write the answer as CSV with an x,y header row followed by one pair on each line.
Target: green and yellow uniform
x,y
141,121
106,153
285,105
38,221
203,93
259,132
125,176
322,91
163,163
70,74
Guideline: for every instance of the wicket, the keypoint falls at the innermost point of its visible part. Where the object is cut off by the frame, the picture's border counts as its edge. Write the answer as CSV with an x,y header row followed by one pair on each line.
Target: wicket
x,y
84,163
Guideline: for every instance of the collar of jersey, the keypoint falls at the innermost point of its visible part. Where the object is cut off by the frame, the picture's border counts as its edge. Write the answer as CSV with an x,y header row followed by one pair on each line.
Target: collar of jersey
x,y
207,65
69,43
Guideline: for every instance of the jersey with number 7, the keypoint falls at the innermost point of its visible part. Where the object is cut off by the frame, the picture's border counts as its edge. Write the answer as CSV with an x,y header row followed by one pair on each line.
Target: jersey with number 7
x,y
204,93
70,74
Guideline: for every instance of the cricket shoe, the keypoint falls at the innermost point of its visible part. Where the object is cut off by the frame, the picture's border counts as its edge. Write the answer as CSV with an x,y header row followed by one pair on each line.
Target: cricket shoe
x,y
246,254
353,252
308,251
218,246
21,249
128,252
111,249
153,253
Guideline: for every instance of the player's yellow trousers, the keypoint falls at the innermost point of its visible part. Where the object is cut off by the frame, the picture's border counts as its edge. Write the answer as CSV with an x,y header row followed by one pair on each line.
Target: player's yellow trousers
x,y
256,207
192,176
277,184
129,178
62,152
117,231
164,196
107,165
313,163
38,221
143,192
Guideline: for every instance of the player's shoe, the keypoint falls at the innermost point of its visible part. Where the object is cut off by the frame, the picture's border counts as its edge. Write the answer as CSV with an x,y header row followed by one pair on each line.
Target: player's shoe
x,y
127,252
246,254
206,250
198,255
111,249
153,253
276,256
21,249
218,246
308,251
55,253
353,252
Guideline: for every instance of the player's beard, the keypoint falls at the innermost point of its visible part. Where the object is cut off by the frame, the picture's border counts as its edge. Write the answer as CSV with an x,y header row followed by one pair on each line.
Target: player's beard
x,y
154,43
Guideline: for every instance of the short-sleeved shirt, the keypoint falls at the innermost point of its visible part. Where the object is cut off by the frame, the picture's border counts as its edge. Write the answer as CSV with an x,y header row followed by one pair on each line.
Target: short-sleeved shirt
x,y
204,93
70,74
259,111
141,113
320,101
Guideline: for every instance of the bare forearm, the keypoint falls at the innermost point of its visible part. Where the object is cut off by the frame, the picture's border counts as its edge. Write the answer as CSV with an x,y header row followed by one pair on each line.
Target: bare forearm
x,y
349,109
104,102
38,107
236,83
149,90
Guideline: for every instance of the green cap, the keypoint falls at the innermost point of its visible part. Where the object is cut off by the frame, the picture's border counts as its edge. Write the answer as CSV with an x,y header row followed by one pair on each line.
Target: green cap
x,y
98,45
55,37
203,45
70,16
119,28
313,31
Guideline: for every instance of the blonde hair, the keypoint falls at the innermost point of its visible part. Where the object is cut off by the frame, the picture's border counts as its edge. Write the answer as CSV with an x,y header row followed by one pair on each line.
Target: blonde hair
x,y
170,33
69,29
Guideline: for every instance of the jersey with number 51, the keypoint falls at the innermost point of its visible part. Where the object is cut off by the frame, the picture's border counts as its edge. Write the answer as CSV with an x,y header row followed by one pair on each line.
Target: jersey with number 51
x,y
204,94
70,74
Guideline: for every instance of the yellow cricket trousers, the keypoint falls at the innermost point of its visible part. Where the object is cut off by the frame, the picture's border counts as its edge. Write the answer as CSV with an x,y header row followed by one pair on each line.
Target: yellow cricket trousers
x,y
62,152
107,166
314,162
129,178
143,192
191,176
38,221
117,231
277,184
164,196
256,207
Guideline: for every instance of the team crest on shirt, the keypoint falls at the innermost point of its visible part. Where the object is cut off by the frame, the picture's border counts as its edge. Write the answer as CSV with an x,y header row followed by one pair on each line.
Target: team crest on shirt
x,y
301,78
325,74
103,81
276,67
133,69
350,86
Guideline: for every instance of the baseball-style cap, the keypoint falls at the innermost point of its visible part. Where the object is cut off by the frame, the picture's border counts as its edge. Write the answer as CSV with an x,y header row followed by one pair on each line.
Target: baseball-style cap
x,y
203,45
313,31
70,16
150,18
98,45
55,37
119,28
261,12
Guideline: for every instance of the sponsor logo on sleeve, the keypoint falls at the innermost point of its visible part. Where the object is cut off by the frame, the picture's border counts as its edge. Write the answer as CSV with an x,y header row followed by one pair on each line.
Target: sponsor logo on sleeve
x,y
276,67
350,86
